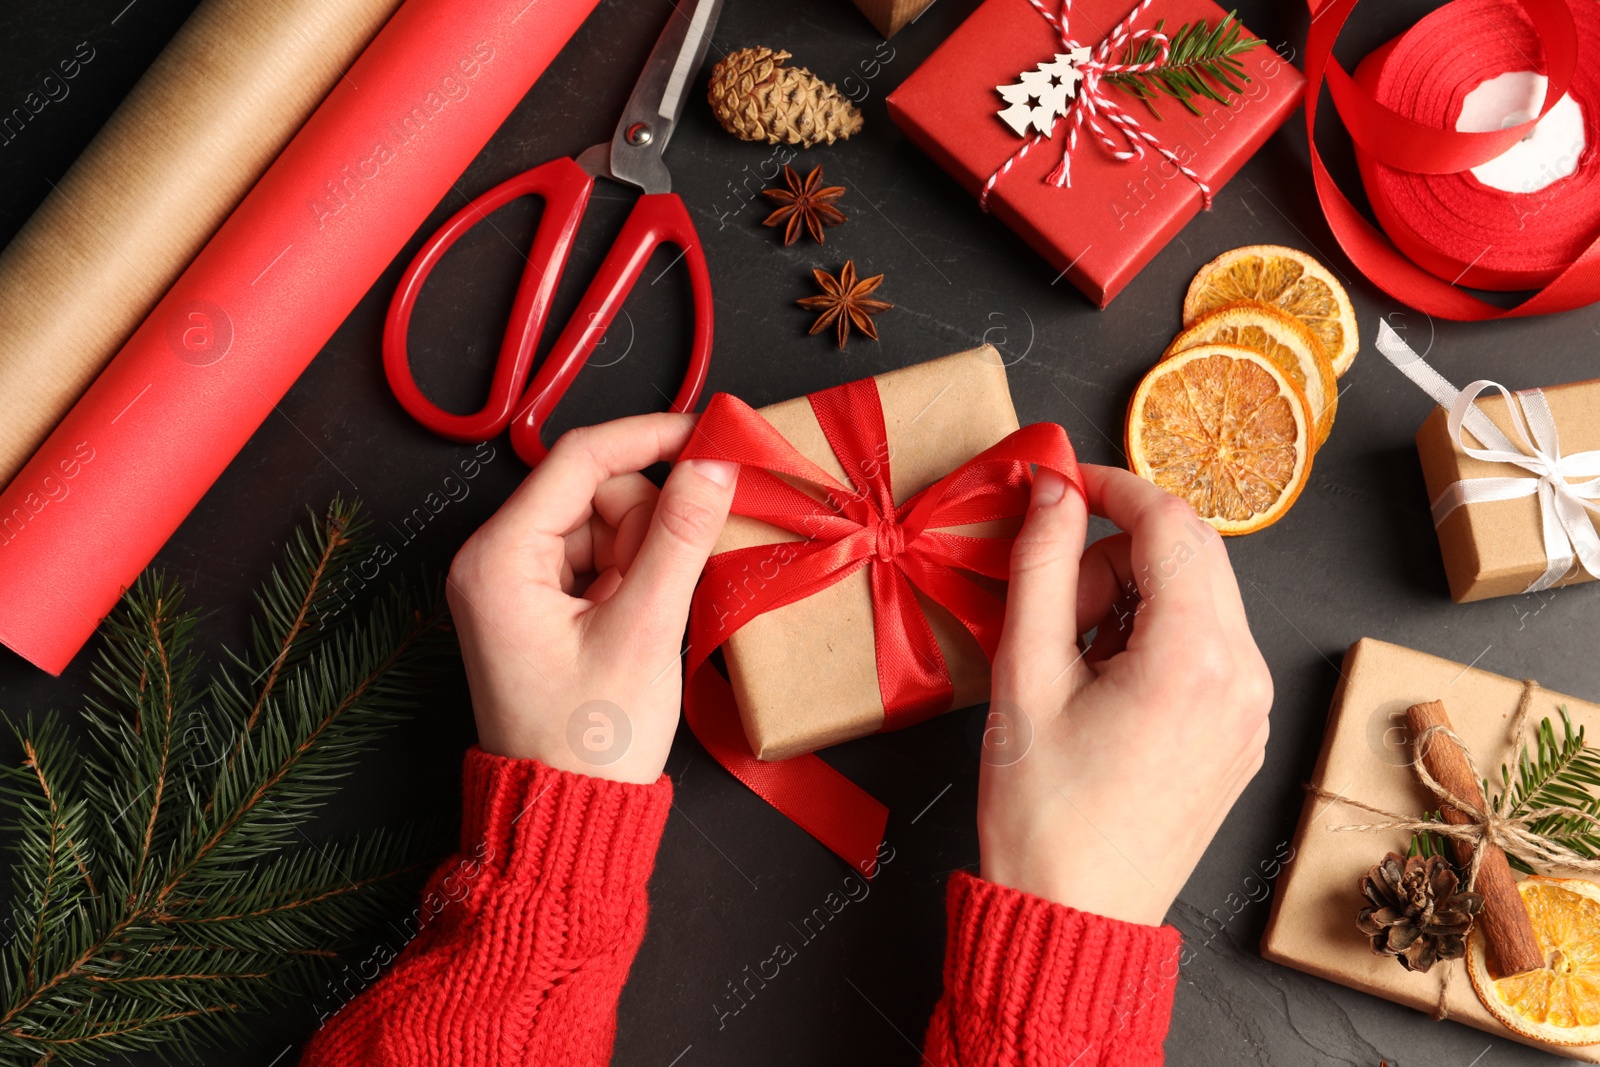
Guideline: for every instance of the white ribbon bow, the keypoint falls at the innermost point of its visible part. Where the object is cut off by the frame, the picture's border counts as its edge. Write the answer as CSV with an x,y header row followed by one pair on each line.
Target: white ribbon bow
x,y
1564,505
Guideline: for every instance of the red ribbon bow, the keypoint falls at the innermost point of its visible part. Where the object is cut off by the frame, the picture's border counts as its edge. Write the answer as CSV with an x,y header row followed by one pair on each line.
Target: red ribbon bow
x,y
844,529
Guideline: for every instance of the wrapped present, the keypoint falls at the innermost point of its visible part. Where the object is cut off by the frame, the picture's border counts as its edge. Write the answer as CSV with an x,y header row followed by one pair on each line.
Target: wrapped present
x,y
1364,773
1022,106
858,586
1514,479
804,675
891,16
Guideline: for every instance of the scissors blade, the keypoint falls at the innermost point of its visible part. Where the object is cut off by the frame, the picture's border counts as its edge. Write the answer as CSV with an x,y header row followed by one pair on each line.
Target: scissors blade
x,y
651,117
681,49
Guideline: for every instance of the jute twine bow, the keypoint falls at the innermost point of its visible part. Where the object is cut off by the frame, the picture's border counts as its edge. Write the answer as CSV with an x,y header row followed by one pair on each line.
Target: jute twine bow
x,y
1090,104
1488,827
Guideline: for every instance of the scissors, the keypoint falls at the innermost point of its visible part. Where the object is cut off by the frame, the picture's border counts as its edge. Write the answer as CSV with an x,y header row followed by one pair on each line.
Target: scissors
x,y
633,157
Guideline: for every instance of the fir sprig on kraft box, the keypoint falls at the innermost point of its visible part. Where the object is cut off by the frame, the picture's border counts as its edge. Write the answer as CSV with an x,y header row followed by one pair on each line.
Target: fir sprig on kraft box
x,y
1560,771
162,881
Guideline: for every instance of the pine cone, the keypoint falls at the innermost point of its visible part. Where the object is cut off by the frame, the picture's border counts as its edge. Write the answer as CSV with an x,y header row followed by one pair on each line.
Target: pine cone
x,y
1414,912
756,98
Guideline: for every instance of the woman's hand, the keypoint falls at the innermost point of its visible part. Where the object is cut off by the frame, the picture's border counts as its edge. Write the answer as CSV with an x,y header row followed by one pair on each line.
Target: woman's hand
x,y
571,601
1106,773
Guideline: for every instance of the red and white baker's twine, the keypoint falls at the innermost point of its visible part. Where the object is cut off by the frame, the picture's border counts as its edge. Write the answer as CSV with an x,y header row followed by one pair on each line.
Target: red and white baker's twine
x,y
1089,104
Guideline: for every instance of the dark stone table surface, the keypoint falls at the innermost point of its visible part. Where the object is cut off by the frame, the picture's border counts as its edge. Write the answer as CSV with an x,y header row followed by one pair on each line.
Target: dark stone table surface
x,y
1356,557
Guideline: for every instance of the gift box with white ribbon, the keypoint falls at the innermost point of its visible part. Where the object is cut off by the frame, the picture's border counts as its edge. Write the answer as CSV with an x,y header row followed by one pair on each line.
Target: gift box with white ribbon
x,y
1513,479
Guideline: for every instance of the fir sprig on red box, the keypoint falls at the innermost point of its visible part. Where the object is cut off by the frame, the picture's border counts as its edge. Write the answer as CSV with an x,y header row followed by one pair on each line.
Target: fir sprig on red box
x,y
1109,182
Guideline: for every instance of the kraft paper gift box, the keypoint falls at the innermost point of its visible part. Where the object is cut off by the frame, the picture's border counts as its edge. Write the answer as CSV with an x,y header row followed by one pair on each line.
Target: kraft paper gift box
x,y
1364,757
1116,215
891,16
805,675
1496,548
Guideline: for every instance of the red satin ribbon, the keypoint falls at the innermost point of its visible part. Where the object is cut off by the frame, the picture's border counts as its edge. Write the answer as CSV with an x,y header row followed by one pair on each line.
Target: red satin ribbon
x,y
1397,141
843,529
1452,225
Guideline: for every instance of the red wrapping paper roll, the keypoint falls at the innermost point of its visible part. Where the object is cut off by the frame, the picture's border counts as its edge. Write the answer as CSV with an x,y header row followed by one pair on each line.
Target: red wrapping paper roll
x,y
1453,225
173,408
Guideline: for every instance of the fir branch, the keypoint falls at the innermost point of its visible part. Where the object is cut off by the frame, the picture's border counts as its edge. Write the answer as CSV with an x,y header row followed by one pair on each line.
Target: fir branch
x,y
49,903
1201,61
294,593
140,718
1555,772
292,899
315,737
313,561
1428,845
164,885
162,684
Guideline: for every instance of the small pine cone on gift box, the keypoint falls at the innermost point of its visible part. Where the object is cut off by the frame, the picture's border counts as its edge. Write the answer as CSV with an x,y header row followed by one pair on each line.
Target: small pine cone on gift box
x,y
756,98
1416,910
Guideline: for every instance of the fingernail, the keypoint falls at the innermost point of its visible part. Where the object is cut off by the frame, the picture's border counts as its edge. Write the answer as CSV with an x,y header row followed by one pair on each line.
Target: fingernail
x,y
716,470
1048,488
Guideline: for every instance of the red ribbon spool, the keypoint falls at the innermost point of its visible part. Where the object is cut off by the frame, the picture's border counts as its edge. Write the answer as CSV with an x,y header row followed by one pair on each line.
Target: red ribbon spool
x,y
1453,225
847,528
1394,139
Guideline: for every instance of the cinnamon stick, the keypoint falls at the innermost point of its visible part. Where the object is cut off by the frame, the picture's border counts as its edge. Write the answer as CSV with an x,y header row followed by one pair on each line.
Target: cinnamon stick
x,y
1513,946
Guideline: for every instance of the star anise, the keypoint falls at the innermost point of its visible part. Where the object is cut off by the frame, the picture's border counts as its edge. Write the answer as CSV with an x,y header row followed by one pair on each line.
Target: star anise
x,y
805,203
845,302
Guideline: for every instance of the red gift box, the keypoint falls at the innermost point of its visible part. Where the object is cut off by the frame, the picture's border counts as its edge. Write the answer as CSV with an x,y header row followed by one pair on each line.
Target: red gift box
x,y
1116,214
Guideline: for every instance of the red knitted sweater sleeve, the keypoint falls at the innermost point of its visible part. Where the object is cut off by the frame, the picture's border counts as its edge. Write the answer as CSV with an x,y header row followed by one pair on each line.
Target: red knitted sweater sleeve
x,y
527,935
1031,983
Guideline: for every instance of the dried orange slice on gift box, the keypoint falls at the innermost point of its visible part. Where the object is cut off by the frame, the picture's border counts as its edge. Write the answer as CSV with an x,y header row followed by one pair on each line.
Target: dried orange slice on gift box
x,y
1227,430
1289,280
1558,1003
1280,337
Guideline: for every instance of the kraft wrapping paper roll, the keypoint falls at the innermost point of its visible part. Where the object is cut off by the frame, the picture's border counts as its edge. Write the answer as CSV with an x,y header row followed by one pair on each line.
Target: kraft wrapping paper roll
x,y
134,456
207,118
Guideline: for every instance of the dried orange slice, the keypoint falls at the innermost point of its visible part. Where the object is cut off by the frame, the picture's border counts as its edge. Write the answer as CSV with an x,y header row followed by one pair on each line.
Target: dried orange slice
x,y
1560,1002
1288,279
1224,428
1280,337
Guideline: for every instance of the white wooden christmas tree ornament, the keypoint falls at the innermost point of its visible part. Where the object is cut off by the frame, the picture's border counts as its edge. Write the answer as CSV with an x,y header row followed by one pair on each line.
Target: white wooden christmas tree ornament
x,y
1041,95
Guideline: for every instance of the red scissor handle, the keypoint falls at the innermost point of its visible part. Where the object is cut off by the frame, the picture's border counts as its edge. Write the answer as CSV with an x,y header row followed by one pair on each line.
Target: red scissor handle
x,y
657,219
565,187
